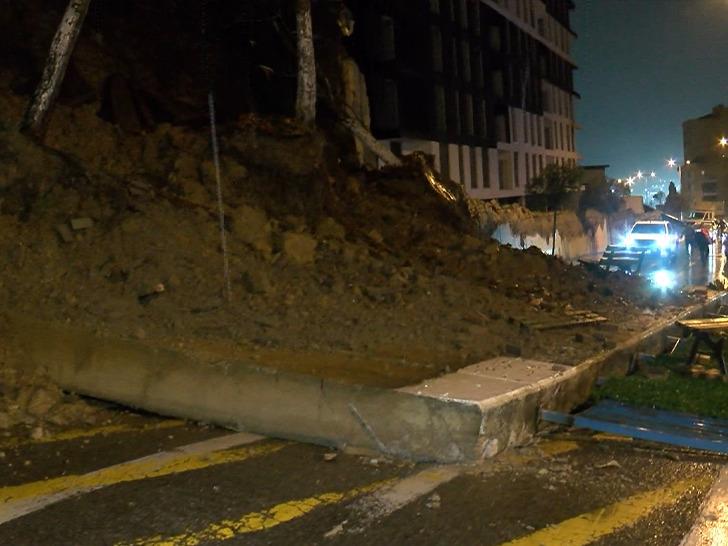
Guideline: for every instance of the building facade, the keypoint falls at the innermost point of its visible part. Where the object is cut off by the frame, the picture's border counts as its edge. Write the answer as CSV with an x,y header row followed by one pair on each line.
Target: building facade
x,y
704,173
483,86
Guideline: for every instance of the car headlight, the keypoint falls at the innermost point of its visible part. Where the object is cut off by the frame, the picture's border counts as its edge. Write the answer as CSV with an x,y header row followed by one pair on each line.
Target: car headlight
x,y
663,279
663,242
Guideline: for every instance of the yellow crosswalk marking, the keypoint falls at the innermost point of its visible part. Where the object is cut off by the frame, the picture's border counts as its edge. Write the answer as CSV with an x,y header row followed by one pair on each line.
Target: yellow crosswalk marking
x,y
588,527
257,521
22,499
89,432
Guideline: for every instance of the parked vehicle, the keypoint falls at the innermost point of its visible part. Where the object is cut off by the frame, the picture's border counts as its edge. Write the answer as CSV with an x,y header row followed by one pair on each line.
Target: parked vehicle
x,y
654,236
699,219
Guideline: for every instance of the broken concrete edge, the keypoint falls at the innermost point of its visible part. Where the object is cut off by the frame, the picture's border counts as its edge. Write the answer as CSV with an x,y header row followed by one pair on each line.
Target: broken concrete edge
x,y
307,408
611,360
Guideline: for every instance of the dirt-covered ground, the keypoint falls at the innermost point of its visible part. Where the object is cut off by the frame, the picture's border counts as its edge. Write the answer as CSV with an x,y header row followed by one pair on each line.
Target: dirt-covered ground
x,y
111,226
364,276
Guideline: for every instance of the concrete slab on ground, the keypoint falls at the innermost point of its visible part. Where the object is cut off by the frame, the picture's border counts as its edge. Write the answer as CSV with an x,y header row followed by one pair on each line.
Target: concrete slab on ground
x,y
465,416
487,379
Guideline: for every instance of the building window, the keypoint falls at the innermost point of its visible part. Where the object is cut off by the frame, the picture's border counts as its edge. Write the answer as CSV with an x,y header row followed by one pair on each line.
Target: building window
x,y
484,119
534,166
454,58
486,168
453,122
516,170
548,136
385,112
474,17
436,49
494,36
468,115
525,127
498,85
463,15
478,68
473,168
440,109
539,131
435,6
466,60
505,172
384,46
528,167
501,128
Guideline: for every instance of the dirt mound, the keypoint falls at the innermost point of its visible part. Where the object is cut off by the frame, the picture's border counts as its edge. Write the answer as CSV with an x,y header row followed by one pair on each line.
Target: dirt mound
x,y
374,277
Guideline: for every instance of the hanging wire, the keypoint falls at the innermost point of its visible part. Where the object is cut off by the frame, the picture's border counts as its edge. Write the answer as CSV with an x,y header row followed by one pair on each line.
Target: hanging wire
x,y
220,206
215,149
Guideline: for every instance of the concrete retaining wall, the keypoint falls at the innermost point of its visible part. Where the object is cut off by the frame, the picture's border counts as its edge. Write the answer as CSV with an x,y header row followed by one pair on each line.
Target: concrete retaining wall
x,y
300,407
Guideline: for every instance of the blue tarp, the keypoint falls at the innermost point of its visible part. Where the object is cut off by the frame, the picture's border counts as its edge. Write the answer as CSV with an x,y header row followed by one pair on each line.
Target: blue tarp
x,y
679,429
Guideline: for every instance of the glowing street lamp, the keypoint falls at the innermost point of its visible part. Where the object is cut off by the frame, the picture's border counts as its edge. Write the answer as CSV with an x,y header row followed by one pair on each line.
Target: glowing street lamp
x,y
630,180
653,174
723,142
640,175
671,163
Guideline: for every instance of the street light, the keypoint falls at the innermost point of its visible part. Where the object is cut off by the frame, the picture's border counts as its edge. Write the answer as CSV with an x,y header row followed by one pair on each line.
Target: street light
x,y
671,163
653,174
723,142
640,175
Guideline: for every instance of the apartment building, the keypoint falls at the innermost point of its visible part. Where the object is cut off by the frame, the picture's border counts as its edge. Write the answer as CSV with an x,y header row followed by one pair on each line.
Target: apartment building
x,y
483,86
704,174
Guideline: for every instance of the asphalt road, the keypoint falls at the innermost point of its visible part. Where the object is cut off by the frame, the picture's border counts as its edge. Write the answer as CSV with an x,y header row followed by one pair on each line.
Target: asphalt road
x,y
159,482
688,270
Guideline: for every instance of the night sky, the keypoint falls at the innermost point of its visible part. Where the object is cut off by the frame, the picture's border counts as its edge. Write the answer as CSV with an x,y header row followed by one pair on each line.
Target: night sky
x,y
645,66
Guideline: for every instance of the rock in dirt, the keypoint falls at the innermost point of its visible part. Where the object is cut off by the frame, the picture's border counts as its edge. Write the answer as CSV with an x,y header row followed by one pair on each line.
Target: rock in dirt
x,y
79,224
299,248
330,229
256,281
64,233
41,401
5,420
251,225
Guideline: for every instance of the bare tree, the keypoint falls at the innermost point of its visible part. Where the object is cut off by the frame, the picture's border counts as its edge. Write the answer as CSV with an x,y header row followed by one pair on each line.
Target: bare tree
x,y
35,116
306,92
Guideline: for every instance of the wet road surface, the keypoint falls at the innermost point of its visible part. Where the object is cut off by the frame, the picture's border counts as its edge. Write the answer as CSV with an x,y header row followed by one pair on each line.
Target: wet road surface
x,y
154,482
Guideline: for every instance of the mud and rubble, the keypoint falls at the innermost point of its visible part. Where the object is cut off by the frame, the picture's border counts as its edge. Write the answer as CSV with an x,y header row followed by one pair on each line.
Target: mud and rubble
x,y
111,226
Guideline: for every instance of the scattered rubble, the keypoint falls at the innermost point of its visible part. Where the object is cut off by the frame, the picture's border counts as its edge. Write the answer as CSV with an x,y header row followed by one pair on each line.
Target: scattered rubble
x,y
364,276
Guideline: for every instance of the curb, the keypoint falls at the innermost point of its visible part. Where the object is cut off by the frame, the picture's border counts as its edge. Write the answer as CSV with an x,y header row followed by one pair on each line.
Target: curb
x,y
711,525
306,408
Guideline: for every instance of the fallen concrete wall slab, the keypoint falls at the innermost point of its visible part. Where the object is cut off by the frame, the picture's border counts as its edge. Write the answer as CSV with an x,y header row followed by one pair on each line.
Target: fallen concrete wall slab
x,y
405,423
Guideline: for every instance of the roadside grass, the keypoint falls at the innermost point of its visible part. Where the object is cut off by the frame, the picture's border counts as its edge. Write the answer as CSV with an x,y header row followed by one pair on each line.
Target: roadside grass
x,y
672,390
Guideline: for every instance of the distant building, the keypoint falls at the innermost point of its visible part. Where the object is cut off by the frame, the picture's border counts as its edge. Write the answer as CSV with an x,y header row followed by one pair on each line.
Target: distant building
x,y
704,174
593,175
483,86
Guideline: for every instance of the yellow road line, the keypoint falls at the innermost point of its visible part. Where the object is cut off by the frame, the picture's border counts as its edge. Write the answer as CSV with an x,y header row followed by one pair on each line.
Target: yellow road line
x,y
257,521
588,527
19,500
557,447
86,433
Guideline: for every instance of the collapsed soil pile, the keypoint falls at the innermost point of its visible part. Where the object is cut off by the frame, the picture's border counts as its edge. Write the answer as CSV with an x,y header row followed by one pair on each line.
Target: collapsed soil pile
x,y
367,277
117,233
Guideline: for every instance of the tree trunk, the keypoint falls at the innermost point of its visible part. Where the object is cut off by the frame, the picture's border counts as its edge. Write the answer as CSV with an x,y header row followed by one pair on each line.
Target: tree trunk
x,y
35,116
368,140
306,92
